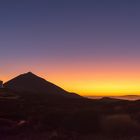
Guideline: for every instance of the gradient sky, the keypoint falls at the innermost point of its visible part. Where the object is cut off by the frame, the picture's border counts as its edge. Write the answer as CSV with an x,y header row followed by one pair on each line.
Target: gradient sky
x,y
91,47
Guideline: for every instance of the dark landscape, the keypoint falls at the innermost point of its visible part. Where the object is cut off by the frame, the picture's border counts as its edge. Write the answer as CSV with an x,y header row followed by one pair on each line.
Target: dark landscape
x,y
32,108
69,69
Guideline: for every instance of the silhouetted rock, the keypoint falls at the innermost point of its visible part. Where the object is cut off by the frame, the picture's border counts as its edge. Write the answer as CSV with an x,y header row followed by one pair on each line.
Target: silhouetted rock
x,y
1,84
30,83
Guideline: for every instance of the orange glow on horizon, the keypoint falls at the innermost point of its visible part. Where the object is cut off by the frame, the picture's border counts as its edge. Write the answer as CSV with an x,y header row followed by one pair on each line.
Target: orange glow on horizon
x,y
98,81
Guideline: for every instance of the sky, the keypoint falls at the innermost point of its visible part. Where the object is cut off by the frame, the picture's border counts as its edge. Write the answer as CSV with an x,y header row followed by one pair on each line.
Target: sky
x,y
91,47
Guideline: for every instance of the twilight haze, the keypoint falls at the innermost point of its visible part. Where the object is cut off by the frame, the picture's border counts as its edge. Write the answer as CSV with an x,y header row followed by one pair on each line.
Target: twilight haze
x,y
91,47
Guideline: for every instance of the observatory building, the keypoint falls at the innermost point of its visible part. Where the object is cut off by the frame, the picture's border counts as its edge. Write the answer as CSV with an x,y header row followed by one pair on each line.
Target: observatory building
x,y
1,84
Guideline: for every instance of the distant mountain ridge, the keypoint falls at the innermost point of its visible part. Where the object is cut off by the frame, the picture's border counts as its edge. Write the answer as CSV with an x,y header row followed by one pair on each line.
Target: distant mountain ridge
x,y
32,83
124,97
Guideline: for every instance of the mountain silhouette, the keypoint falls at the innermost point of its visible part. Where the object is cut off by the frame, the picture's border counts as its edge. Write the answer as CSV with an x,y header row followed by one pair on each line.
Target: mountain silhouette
x,y
31,83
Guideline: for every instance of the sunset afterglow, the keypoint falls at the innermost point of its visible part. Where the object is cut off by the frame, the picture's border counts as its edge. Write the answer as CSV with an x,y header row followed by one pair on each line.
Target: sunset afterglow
x,y
88,81
91,48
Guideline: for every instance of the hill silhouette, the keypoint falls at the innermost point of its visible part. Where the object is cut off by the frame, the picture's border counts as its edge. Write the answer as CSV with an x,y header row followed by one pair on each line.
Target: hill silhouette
x,y
31,106
31,83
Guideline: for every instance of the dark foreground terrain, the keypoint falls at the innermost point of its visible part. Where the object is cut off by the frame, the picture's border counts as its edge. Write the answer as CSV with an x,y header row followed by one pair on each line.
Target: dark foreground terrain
x,y
41,116
37,117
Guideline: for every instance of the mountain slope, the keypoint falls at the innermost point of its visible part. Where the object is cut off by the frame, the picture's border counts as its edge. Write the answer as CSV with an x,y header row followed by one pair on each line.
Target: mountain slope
x,y
31,83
